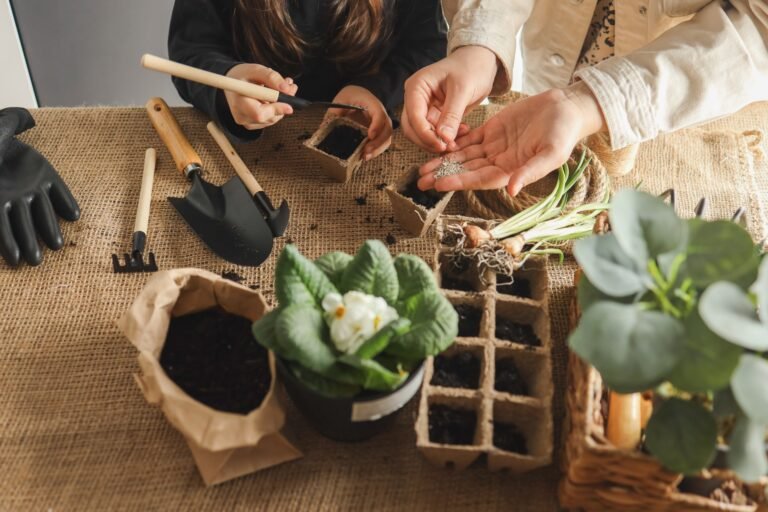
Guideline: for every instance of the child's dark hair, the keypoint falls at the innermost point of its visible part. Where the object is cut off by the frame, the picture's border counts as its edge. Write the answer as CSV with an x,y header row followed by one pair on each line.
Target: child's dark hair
x,y
264,32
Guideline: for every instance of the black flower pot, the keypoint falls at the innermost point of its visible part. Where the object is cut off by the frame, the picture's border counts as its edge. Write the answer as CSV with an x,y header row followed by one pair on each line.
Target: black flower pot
x,y
351,418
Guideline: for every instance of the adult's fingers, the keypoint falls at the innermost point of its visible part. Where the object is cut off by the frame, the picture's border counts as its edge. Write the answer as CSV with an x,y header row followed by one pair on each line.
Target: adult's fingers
x,y
538,166
63,201
457,99
24,230
416,125
45,221
485,178
9,249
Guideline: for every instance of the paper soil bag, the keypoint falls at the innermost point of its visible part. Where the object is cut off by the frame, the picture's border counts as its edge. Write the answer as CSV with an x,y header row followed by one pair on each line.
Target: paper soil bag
x,y
225,445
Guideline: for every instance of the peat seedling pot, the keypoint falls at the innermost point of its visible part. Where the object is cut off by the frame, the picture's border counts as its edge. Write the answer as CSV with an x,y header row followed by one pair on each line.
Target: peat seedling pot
x,y
354,418
337,146
416,210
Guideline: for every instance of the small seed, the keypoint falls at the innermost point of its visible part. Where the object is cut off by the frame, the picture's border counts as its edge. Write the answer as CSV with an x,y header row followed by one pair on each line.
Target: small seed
x,y
449,168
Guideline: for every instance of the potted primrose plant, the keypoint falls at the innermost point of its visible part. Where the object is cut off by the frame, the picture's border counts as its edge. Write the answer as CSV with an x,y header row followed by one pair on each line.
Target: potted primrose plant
x,y
351,335
680,307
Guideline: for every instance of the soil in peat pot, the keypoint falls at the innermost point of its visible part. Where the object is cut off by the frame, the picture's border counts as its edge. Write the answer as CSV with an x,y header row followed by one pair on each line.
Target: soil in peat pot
x,y
461,370
426,198
453,276
514,332
451,426
518,288
469,320
508,437
215,359
342,141
508,378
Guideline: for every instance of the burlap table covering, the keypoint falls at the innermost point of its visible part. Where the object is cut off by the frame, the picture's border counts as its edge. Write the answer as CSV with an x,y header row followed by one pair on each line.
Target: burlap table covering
x,y
76,434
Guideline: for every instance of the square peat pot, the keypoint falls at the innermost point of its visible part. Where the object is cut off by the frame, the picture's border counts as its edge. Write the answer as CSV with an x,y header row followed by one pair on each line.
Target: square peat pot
x,y
337,146
416,210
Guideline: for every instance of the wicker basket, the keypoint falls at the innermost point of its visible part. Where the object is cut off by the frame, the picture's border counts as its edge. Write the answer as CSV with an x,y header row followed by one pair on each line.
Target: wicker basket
x,y
597,476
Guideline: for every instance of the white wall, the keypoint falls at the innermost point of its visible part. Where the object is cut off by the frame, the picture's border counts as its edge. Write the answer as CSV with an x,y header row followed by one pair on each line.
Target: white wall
x,y
15,86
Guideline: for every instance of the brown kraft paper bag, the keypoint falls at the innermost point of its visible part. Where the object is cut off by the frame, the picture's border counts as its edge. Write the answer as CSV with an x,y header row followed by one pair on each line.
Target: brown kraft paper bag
x,y
224,445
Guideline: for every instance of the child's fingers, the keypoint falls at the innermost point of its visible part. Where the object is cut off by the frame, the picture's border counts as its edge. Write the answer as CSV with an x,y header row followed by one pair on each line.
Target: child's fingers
x,y
254,112
379,133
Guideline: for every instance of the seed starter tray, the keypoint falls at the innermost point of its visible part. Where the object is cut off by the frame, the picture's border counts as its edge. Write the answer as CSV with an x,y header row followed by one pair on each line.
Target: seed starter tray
x,y
529,414
412,216
336,168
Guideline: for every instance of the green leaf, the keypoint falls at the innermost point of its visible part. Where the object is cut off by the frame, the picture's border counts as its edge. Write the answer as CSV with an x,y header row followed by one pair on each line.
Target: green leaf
x,y
379,341
263,330
588,294
608,267
645,226
323,385
374,376
707,361
414,275
298,280
372,271
434,326
333,265
746,450
750,387
633,349
760,289
720,251
727,310
682,435
301,331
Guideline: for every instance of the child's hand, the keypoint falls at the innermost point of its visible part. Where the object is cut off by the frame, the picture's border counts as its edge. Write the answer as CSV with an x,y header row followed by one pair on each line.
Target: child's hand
x,y
254,114
375,118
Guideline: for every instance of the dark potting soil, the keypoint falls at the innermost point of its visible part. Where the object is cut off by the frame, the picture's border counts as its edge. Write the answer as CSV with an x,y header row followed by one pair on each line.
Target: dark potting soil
x,y
469,320
508,378
342,141
428,199
450,282
459,371
362,200
215,359
451,426
509,330
509,438
518,288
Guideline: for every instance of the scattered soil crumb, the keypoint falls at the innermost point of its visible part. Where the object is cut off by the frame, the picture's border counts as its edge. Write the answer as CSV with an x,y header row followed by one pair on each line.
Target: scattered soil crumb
x,y
313,227
289,241
72,243
368,219
232,276
339,211
304,136
278,147
391,220
391,240
381,186
362,200
254,286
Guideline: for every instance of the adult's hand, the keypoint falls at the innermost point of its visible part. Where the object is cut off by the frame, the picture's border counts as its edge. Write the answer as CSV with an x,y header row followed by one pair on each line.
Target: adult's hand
x,y
437,96
254,114
522,143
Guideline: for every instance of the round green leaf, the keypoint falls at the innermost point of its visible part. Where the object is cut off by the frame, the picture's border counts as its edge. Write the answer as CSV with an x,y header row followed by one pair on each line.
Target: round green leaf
x,y
645,226
300,329
333,265
727,310
298,280
746,450
750,387
760,289
707,362
682,435
413,275
372,271
608,267
633,350
720,250
588,294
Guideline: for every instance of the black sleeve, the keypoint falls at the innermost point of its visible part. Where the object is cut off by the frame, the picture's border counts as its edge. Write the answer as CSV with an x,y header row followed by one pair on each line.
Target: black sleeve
x,y
200,35
420,39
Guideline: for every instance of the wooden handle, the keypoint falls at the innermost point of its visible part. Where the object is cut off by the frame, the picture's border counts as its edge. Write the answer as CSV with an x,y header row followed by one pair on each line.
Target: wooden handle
x,y
173,137
624,420
240,168
145,196
226,83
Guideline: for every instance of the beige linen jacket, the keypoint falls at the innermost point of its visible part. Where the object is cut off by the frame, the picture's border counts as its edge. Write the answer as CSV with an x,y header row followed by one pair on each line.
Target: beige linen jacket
x,y
677,63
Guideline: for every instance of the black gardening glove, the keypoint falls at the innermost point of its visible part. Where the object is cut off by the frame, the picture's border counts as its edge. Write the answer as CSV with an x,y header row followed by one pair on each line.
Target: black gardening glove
x,y
31,194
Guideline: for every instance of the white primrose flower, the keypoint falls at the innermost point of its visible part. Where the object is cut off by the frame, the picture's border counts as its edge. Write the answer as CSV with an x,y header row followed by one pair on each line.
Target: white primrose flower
x,y
355,317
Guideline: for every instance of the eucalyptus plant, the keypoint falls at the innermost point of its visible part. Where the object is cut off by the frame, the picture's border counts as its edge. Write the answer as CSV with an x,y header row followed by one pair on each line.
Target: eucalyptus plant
x,y
670,303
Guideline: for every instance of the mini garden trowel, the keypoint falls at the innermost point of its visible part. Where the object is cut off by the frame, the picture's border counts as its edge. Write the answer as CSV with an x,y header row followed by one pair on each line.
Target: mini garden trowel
x,y
225,218
226,83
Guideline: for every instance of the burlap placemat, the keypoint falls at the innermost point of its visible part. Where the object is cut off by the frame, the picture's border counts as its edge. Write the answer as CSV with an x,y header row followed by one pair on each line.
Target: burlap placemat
x,y
76,434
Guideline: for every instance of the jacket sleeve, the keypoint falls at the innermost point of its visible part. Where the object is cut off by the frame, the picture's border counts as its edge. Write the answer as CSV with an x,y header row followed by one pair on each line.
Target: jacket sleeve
x,y
710,66
420,33
200,36
493,24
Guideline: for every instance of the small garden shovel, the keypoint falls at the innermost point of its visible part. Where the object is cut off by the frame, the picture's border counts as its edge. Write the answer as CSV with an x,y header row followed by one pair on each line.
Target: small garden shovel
x,y
225,218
